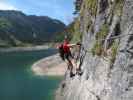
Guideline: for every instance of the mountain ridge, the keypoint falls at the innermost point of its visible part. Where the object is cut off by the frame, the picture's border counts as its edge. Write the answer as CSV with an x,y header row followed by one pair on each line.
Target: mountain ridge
x,y
17,28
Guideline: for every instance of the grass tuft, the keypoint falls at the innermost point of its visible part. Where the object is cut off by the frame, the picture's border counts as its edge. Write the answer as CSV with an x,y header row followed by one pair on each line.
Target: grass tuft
x,y
92,6
114,49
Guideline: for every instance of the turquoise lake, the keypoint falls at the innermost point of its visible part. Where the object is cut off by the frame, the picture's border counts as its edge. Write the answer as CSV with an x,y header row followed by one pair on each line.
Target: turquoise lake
x,y
18,82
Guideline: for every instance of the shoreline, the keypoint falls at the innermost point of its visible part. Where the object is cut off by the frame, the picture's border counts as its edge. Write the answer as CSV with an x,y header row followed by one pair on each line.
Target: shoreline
x,y
29,48
50,66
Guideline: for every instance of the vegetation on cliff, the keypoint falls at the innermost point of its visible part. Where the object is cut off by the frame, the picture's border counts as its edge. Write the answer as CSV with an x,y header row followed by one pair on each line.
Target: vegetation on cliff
x,y
100,38
118,7
91,7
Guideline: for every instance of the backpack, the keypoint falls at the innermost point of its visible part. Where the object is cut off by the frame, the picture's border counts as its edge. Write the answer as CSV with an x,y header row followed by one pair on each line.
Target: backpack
x,y
61,52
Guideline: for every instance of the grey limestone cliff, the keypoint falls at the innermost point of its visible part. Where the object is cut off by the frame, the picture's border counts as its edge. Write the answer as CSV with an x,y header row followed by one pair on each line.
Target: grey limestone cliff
x,y
107,47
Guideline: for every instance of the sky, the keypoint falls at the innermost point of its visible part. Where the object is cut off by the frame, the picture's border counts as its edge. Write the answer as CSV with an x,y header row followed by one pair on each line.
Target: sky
x,y
57,9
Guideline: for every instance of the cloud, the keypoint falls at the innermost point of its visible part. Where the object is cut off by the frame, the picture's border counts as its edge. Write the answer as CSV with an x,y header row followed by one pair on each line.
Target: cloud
x,y
5,6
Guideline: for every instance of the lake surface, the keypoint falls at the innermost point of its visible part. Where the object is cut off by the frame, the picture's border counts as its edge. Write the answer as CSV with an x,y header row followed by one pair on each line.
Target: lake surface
x,y
17,81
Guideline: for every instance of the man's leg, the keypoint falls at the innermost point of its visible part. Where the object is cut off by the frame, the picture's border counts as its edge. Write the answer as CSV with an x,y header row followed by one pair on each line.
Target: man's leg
x,y
70,67
70,64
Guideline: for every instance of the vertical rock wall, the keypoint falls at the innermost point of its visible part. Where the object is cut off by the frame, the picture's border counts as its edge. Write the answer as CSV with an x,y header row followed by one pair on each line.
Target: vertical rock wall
x,y
107,47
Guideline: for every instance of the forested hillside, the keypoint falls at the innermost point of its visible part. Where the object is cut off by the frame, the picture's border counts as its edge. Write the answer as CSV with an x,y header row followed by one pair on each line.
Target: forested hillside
x,y
17,29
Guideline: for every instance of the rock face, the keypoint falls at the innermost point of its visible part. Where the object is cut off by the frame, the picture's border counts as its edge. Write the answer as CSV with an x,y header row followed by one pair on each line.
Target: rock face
x,y
107,44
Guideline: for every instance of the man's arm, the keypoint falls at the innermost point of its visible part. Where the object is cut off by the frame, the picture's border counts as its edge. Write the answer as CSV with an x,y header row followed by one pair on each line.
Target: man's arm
x,y
71,45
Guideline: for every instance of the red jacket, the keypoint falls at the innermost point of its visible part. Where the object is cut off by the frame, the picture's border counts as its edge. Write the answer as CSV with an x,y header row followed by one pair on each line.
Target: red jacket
x,y
66,47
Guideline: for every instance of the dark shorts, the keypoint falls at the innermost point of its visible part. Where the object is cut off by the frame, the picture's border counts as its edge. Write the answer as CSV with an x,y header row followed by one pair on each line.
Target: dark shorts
x,y
68,56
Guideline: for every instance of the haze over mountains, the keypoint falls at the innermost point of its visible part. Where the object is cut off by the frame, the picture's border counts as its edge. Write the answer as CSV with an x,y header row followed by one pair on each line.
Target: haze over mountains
x,y
16,28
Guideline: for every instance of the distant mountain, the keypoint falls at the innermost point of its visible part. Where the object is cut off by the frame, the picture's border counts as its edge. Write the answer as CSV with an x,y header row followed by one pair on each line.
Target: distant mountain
x,y
16,28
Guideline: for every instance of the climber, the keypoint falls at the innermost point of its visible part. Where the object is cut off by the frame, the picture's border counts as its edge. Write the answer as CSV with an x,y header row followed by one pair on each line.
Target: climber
x,y
66,55
76,55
